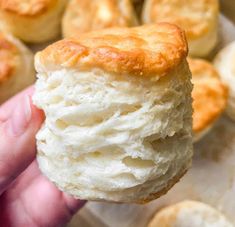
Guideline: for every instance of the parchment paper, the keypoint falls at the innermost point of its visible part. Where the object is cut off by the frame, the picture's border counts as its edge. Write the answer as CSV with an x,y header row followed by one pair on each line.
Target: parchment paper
x,y
211,178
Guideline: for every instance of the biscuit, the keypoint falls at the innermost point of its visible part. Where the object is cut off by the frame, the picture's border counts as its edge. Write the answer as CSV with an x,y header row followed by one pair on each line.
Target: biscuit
x,y
198,18
16,66
189,214
84,16
224,62
118,113
138,5
209,96
32,21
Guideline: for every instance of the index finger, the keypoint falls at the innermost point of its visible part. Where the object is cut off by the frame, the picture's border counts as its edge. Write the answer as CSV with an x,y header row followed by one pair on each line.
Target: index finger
x,y
7,107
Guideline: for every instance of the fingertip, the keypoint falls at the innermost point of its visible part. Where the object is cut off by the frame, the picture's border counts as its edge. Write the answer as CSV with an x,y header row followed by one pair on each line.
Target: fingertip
x,y
8,107
37,114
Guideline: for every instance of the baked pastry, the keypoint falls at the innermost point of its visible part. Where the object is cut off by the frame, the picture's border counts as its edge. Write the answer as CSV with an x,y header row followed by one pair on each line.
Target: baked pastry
x,y
137,1
224,62
189,214
209,96
32,21
138,5
199,19
118,113
84,16
16,66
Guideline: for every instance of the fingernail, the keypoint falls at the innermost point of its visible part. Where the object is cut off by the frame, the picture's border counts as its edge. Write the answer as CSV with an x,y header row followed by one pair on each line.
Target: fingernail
x,y
20,117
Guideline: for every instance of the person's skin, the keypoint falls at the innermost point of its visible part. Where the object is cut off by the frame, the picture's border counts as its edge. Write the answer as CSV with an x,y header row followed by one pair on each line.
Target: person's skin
x,y
27,198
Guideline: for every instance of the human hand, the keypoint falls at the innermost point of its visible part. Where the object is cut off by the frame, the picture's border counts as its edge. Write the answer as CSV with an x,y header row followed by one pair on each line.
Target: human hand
x,y
27,198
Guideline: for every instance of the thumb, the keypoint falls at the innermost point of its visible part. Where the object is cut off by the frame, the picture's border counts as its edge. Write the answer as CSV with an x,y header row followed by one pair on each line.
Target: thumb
x,y
19,122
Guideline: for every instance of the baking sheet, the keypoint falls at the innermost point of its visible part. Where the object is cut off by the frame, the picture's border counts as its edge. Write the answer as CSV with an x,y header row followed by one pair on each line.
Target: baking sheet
x,y
211,178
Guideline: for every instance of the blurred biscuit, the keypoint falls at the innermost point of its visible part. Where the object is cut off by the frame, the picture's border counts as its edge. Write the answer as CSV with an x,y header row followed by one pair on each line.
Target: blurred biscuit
x,y
199,18
16,66
225,64
209,96
118,113
189,214
138,5
32,21
84,16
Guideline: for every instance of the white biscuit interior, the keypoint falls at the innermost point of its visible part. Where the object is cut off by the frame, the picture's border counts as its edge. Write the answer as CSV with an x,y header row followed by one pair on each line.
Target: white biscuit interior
x,y
114,137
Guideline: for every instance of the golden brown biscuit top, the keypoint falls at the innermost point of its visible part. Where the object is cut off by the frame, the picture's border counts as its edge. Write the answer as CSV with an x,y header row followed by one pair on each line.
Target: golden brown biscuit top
x,y
84,16
174,214
195,16
145,51
209,94
163,220
8,53
26,7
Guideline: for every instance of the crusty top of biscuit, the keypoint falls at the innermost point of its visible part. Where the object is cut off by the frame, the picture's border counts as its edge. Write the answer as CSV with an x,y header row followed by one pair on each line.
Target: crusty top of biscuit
x,y
195,16
145,51
8,53
84,16
26,7
209,94
189,211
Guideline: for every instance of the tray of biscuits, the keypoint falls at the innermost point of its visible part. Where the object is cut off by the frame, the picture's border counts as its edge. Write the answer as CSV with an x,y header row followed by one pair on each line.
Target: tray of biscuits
x,y
138,105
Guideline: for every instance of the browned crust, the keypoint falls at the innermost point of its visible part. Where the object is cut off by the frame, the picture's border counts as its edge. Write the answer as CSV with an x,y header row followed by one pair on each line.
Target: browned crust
x,y
170,184
169,216
166,221
180,13
144,51
84,16
26,7
209,94
8,51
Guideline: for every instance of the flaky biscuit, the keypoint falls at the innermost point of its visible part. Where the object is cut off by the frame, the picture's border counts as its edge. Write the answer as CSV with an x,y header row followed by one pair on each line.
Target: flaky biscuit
x,y
16,66
209,96
189,214
146,51
84,16
32,21
198,18
138,5
224,62
118,113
